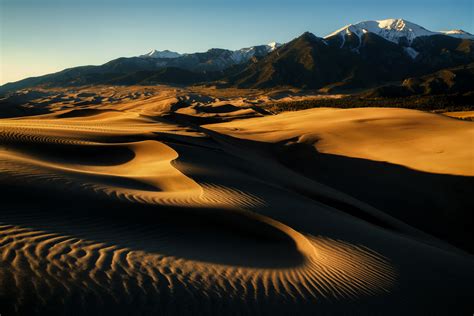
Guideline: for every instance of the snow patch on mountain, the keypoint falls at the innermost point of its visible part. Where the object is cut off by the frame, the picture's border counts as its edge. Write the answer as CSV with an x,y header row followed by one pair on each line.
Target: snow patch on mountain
x,y
161,54
458,34
245,54
273,45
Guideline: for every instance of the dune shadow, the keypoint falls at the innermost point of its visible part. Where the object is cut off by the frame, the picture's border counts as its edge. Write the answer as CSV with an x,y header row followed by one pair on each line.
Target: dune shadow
x,y
11,109
438,204
225,108
219,236
81,154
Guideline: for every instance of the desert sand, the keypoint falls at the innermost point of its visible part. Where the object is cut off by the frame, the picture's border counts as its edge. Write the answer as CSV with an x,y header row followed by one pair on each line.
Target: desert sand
x,y
464,115
414,139
170,201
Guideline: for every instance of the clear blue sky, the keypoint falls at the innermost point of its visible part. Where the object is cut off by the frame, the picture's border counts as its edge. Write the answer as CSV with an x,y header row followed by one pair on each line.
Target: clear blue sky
x,y
42,36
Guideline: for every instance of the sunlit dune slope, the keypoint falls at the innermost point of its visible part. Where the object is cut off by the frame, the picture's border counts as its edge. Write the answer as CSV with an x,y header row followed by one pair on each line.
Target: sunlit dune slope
x,y
415,139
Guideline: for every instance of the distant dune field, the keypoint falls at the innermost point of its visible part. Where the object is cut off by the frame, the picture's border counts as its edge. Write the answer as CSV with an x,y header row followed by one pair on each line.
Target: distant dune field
x,y
176,202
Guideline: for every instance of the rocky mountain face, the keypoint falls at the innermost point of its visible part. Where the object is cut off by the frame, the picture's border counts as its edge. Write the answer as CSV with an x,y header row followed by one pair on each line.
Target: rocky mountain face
x,y
364,55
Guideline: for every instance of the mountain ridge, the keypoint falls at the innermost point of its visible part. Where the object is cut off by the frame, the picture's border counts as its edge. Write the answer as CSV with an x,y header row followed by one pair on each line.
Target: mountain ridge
x,y
361,55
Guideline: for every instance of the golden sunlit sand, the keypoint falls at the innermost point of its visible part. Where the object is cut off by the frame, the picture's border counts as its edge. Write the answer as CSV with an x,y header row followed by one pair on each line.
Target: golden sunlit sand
x,y
415,139
136,201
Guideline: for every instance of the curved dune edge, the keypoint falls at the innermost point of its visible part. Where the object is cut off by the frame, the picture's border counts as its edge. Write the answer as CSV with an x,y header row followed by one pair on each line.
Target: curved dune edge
x,y
143,179
150,166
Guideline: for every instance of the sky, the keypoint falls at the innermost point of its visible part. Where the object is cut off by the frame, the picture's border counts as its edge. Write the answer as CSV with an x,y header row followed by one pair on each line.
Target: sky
x,y
44,36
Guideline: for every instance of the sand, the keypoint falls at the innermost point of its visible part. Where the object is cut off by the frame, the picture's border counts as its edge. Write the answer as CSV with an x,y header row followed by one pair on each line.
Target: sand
x,y
414,139
139,207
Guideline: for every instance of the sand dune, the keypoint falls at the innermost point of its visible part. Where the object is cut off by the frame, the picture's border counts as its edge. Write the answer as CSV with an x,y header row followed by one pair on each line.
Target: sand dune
x,y
134,208
415,139
410,164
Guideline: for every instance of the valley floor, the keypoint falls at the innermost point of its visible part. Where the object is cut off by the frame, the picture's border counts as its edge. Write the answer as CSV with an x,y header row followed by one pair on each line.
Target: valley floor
x,y
174,203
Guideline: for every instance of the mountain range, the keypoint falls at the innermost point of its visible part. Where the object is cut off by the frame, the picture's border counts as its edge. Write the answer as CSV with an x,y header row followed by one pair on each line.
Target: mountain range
x,y
365,55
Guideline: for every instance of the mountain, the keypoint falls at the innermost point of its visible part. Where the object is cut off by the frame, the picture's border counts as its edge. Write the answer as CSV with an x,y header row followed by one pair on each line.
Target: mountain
x,y
306,62
313,62
213,60
399,31
238,56
154,67
364,55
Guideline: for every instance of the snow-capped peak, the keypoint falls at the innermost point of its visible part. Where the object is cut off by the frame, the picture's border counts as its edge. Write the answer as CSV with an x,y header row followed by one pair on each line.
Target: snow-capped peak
x,y
161,54
390,29
394,30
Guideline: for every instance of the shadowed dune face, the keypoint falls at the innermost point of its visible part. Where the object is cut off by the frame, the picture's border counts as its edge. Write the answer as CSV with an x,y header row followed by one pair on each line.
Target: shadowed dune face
x,y
114,210
202,236
72,154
